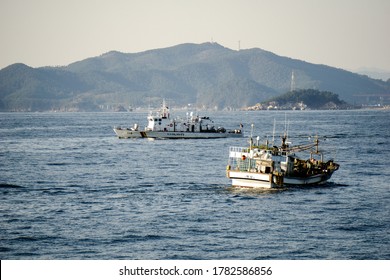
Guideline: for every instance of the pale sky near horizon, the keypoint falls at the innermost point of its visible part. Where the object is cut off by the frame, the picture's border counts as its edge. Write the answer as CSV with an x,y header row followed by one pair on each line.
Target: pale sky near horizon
x,y
348,34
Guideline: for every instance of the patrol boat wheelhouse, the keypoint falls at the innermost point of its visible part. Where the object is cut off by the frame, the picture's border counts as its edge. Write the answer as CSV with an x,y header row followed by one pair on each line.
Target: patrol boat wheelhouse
x,y
161,125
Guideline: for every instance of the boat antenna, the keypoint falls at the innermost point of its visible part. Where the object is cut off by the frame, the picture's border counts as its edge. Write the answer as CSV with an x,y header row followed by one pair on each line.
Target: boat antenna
x,y
288,128
149,106
285,123
316,142
273,133
251,140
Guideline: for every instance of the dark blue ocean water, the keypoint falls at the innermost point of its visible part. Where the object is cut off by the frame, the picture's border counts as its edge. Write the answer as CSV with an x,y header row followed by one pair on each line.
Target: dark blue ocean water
x,y
69,189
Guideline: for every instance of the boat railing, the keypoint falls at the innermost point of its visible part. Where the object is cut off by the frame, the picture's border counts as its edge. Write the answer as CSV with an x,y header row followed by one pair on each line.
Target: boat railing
x,y
240,158
238,151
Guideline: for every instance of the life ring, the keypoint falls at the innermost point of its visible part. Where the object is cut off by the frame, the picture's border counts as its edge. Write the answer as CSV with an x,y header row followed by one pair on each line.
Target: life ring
x,y
243,157
171,125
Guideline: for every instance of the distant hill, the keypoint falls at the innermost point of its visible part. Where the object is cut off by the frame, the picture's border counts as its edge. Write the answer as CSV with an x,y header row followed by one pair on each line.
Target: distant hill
x,y
207,75
302,100
374,73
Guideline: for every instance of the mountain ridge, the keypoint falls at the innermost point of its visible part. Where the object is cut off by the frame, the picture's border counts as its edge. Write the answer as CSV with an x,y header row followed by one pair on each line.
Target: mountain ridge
x,y
208,75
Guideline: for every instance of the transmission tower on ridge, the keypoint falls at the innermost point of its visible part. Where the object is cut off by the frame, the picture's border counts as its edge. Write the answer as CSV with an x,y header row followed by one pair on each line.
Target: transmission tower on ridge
x,y
292,85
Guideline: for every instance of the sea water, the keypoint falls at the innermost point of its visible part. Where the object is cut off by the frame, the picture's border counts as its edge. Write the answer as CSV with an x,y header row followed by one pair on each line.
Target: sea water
x,y
69,189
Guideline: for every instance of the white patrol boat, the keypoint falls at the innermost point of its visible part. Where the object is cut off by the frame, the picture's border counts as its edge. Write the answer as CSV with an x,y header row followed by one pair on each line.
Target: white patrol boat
x,y
276,167
162,126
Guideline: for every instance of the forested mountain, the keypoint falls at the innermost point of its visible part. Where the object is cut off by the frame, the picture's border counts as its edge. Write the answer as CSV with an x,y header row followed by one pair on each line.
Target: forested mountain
x,y
303,99
208,75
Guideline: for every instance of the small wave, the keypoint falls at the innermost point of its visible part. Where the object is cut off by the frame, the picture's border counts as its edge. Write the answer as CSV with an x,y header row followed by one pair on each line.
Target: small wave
x,y
338,184
147,185
348,228
326,185
141,238
54,190
26,238
9,186
29,238
5,249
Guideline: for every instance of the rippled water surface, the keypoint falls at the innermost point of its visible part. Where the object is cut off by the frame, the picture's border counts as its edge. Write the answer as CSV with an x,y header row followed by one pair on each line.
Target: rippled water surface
x,y
69,189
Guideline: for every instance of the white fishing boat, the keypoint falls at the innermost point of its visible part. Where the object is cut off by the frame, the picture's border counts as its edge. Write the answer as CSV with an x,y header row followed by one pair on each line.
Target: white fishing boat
x,y
264,166
162,126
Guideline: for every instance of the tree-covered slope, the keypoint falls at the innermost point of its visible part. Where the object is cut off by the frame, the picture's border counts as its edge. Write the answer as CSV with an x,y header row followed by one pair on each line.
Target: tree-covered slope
x,y
207,75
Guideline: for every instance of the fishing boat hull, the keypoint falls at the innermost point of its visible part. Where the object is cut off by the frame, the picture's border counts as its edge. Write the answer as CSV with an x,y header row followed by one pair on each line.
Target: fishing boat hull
x,y
250,180
311,180
190,135
124,133
255,180
129,133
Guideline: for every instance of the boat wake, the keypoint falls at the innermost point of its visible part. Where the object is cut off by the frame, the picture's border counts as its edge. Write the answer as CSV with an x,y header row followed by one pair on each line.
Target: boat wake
x,y
254,191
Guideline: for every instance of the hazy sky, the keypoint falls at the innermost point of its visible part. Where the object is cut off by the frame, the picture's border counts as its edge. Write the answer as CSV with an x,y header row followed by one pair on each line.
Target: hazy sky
x,y
343,33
